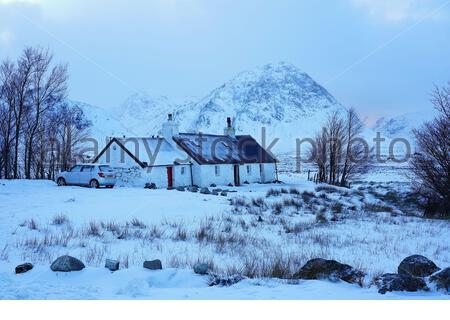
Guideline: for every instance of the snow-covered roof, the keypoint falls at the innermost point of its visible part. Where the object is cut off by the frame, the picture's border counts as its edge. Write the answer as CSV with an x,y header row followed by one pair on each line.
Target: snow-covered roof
x,y
222,149
148,152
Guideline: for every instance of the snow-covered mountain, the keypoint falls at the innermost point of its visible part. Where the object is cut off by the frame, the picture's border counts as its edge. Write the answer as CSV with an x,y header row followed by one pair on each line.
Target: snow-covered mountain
x,y
402,126
279,97
143,114
104,122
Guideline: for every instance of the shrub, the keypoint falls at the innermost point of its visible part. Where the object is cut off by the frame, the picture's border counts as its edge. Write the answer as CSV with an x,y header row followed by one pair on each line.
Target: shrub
x,y
154,232
32,224
135,222
273,192
93,229
292,203
375,207
180,234
327,189
337,207
321,216
307,196
277,208
60,219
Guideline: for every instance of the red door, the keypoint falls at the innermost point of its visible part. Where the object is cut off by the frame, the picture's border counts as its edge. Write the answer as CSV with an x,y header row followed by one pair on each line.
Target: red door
x,y
170,177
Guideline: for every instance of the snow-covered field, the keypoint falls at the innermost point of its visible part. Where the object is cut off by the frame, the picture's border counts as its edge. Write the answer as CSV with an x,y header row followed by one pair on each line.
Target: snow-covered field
x,y
264,232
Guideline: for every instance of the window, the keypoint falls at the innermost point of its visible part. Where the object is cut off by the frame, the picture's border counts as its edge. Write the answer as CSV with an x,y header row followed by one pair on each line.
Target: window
x,y
75,169
183,170
217,170
249,170
105,168
87,168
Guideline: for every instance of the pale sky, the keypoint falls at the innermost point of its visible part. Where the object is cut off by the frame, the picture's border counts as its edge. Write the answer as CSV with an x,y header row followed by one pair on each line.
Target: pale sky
x,y
379,56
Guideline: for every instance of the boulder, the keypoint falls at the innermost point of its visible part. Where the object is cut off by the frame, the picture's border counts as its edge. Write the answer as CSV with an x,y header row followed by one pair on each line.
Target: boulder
x,y
224,193
218,190
217,280
151,185
329,269
180,188
213,185
112,265
215,193
442,279
205,190
417,266
192,189
67,264
153,264
22,268
399,282
201,268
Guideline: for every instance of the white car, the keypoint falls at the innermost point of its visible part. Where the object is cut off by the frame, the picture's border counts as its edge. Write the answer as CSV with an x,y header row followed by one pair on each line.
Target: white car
x,y
91,175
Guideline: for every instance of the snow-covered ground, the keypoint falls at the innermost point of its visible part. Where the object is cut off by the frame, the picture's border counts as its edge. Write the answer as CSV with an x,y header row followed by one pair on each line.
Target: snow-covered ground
x,y
264,232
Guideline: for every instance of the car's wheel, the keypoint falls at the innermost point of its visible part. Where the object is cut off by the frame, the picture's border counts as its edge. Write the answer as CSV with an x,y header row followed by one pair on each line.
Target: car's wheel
x,y
94,184
61,182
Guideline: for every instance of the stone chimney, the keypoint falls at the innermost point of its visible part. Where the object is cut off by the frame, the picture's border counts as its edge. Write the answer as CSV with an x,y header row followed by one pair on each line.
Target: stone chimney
x,y
169,128
229,129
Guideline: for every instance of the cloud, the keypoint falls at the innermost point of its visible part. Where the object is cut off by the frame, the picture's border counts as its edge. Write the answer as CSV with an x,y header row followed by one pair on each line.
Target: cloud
x,y
397,10
19,1
6,38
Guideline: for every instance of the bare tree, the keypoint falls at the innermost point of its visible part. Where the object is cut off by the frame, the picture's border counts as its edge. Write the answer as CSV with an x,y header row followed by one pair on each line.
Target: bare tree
x,y
356,152
36,121
21,83
431,162
340,154
7,71
49,88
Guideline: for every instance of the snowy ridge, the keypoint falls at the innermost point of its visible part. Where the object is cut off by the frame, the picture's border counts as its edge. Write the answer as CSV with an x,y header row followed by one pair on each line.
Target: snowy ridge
x,y
104,123
280,97
402,126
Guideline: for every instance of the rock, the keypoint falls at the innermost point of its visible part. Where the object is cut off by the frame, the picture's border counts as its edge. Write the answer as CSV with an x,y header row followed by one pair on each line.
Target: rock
x,y
230,184
215,193
399,282
201,268
153,264
112,265
180,188
224,193
192,189
218,190
329,269
417,266
24,267
151,185
217,280
205,190
442,279
213,185
67,264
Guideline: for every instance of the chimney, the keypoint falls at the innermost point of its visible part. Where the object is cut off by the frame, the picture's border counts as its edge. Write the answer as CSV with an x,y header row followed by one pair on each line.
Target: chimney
x,y
229,130
169,128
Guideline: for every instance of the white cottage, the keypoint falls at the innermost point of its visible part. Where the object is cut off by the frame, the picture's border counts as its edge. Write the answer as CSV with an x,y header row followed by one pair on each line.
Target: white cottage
x,y
184,159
